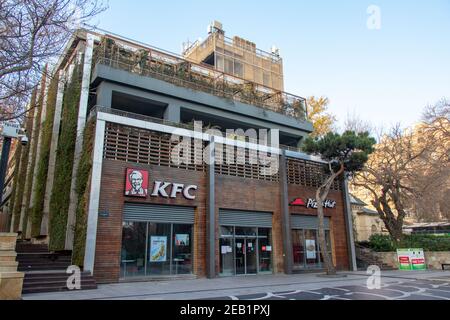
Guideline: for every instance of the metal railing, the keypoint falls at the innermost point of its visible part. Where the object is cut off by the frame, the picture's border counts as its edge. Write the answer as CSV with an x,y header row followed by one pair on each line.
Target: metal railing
x,y
184,73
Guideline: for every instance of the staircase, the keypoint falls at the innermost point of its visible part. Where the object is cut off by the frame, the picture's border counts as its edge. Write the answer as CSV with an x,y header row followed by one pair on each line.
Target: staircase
x,y
366,257
46,271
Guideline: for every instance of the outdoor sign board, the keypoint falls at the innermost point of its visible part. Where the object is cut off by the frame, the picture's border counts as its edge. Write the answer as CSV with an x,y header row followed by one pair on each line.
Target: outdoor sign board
x,y
411,259
10,129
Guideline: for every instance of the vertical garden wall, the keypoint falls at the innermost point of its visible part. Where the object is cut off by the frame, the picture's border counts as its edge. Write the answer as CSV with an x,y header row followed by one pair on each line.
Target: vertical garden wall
x,y
21,171
59,203
82,189
33,150
42,166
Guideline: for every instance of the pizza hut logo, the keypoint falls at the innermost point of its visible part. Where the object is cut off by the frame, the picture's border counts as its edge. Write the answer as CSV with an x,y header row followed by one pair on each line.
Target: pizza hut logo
x,y
312,203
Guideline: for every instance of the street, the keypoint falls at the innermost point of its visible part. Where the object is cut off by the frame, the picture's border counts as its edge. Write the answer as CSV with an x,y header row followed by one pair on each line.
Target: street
x,y
394,285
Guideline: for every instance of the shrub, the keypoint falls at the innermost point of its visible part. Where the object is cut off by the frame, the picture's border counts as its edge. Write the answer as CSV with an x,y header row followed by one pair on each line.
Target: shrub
x,y
384,243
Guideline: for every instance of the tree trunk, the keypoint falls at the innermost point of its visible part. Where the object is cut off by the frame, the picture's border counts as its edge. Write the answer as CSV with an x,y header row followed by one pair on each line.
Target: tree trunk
x,y
321,195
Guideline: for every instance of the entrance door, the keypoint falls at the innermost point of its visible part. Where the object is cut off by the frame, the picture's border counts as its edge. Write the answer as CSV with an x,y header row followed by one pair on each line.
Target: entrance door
x,y
246,255
250,261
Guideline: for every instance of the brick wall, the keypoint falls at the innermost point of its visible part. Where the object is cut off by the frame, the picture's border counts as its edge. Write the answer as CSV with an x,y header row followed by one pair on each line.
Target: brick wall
x,y
231,193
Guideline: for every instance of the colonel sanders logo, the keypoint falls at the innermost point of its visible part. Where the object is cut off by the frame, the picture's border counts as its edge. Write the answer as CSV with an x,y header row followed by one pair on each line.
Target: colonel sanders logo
x,y
136,183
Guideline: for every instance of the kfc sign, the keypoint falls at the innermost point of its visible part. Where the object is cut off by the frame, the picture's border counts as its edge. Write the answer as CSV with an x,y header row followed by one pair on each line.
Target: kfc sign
x,y
312,203
136,183
137,186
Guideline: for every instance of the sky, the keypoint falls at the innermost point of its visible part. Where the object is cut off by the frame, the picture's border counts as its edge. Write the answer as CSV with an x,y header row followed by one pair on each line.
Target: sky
x,y
383,66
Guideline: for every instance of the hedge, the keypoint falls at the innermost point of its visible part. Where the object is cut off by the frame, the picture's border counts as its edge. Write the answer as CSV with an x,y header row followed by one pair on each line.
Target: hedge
x,y
22,172
384,243
82,189
59,202
41,175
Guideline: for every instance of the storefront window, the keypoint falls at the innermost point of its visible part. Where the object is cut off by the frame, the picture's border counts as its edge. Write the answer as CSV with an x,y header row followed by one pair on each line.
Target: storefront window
x,y
306,248
159,249
182,252
132,262
156,249
265,249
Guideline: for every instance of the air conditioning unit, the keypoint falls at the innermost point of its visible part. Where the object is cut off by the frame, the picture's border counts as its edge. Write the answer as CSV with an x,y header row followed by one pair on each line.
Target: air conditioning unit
x,y
275,51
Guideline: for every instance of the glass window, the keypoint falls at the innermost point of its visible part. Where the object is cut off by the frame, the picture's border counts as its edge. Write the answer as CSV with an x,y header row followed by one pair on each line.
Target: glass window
x,y
182,249
159,249
311,246
238,69
298,247
244,231
228,66
132,261
265,249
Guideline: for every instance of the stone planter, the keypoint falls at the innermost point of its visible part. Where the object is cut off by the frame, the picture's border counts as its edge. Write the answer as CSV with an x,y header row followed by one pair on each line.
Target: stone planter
x,y
8,241
11,285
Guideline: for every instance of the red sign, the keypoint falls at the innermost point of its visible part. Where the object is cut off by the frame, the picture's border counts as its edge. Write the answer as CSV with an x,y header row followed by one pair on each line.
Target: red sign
x,y
136,184
298,202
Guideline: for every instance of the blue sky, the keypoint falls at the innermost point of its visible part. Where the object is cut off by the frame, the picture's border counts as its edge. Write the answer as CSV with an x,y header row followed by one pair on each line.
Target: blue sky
x,y
384,76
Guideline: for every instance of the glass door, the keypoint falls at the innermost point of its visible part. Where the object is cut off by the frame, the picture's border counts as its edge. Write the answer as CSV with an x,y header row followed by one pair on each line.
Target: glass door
x,y
226,256
250,257
240,255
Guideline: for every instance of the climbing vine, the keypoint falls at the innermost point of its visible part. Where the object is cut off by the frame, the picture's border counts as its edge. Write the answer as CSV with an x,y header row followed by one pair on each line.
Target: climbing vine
x,y
33,150
82,189
22,168
41,175
59,203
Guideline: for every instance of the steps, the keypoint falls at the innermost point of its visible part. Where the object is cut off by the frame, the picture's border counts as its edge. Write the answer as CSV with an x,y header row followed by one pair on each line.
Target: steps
x,y
366,257
35,282
46,271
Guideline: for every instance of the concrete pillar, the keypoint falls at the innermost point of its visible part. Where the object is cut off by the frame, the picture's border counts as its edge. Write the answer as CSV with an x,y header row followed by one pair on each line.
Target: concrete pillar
x,y
38,154
94,198
211,214
173,113
52,156
104,95
33,138
349,226
82,111
285,216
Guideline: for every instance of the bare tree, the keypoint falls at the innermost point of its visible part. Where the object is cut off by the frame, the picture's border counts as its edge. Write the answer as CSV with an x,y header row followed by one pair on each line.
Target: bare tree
x,y
32,33
354,122
404,176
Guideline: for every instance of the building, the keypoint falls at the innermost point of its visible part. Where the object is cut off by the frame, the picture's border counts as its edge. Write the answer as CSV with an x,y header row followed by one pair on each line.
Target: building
x,y
110,189
366,222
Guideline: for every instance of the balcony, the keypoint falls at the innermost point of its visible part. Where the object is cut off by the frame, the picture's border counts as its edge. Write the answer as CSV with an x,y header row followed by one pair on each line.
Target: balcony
x,y
181,72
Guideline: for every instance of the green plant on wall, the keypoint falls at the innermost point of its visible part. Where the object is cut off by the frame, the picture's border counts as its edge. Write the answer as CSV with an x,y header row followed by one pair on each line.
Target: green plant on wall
x,y
33,150
22,173
82,189
59,202
41,175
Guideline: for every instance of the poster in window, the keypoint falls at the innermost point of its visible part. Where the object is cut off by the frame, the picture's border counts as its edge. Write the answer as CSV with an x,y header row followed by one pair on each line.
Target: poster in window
x,y
158,249
310,249
182,239
136,183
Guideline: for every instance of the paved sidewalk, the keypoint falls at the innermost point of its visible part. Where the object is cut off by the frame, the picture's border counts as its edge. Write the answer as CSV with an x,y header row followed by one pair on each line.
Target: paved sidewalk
x,y
230,286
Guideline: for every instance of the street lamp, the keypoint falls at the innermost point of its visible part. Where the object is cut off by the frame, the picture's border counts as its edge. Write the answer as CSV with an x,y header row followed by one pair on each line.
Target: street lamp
x,y
10,131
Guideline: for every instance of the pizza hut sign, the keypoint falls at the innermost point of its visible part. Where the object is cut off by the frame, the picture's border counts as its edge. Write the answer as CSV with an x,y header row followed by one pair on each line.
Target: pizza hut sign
x,y
312,203
137,185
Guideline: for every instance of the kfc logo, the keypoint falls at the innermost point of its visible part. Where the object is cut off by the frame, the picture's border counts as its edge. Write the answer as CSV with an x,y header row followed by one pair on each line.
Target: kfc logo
x,y
136,183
